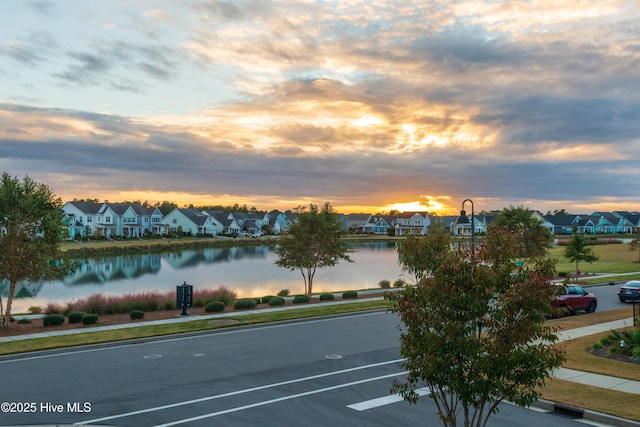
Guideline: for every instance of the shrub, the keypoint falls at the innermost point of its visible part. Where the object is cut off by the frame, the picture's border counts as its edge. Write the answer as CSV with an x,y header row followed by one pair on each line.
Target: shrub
x,y
276,301
53,308
265,300
34,309
327,297
214,306
136,314
54,319
349,295
90,319
245,303
203,297
76,316
399,283
283,293
384,284
300,299
24,320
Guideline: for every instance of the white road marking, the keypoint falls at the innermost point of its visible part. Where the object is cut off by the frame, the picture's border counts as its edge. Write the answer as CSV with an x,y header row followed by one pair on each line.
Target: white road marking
x,y
280,399
234,393
385,400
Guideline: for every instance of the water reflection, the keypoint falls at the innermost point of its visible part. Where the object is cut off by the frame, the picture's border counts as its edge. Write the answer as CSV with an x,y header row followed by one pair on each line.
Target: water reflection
x,y
250,271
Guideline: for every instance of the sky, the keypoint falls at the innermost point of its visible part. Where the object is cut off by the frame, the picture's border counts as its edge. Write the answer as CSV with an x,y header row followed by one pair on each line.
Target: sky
x,y
368,105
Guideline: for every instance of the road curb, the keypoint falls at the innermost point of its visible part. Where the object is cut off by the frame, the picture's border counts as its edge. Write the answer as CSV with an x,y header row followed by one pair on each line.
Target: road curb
x,y
585,414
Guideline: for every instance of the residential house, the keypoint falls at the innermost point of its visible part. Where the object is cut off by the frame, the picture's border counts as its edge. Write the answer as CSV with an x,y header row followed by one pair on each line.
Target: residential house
x,y
224,224
192,222
407,223
251,222
608,223
81,218
379,224
281,221
566,224
356,222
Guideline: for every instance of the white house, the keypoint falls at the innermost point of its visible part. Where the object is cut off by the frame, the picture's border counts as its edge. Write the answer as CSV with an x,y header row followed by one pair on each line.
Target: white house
x,y
191,222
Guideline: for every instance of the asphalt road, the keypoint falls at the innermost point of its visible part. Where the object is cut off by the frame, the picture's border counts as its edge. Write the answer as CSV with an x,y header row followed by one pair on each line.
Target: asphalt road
x,y
323,372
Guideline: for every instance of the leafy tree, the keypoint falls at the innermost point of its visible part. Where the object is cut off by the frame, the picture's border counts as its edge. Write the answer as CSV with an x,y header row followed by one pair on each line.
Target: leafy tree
x,y
577,250
634,244
31,231
419,255
474,333
533,238
313,242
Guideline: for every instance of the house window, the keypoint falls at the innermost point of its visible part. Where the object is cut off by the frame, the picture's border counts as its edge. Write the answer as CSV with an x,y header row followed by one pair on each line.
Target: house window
x,y
107,219
88,219
175,221
146,220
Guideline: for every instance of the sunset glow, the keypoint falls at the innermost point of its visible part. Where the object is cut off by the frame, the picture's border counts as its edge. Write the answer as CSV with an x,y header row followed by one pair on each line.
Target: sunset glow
x,y
370,106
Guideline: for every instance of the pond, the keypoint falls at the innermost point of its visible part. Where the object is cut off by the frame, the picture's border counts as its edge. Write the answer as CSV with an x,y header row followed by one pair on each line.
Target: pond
x,y
250,271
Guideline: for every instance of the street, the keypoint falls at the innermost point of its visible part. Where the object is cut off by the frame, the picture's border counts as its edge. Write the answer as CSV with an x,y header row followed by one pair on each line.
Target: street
x,y
330,371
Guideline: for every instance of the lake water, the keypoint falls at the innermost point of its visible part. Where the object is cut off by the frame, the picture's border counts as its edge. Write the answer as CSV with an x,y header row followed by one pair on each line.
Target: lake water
x,y
249,271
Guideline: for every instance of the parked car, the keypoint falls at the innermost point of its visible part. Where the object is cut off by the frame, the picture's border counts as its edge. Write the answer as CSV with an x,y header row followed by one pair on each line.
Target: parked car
x,y
630,291
572,298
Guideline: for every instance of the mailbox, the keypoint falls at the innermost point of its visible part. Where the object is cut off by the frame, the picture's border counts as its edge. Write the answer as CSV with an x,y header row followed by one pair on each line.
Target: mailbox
x,y
184,297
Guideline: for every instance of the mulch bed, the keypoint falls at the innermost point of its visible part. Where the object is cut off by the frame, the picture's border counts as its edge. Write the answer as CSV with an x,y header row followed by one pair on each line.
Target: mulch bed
x,y
36,325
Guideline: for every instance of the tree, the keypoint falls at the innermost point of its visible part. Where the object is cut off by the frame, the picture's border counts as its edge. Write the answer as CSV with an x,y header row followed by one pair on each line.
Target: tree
x,y
419,255
31,230
533,238
577,250
474,333
634,244
313,242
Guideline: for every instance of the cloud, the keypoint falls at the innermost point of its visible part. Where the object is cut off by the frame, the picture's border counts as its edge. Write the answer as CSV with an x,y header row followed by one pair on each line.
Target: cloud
x,y
359,102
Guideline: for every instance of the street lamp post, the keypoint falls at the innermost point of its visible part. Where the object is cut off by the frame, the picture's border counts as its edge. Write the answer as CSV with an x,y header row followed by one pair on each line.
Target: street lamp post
x,y
463,213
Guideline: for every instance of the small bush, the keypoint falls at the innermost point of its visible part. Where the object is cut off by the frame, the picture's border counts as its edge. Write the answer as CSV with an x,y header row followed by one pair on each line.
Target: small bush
x,y
399,283
300,299
24,320
90,319
349,295
244,303
34,309
276,301
214,306
54,319
327,297
283,293
53,308
384,284
266,299
136,314
76,316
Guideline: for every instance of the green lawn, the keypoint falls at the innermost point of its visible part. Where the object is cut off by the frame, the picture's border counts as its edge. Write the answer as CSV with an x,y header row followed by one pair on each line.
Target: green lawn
x,y
613,258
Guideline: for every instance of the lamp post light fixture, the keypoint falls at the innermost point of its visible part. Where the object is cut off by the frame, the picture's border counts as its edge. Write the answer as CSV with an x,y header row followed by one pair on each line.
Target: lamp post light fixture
x,y
463,213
